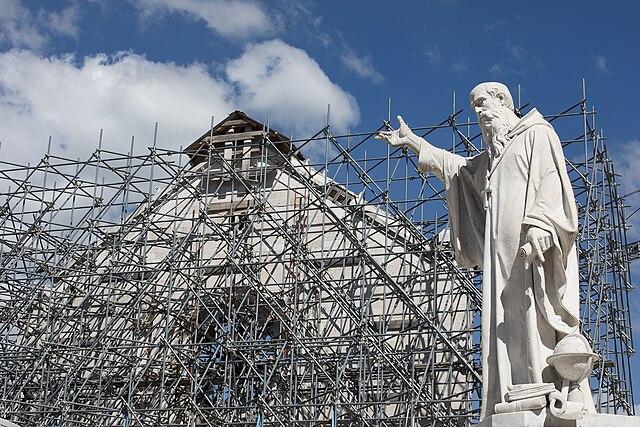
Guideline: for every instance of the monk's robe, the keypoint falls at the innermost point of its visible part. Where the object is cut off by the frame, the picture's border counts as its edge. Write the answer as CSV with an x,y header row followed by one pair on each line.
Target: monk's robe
x,y
492,201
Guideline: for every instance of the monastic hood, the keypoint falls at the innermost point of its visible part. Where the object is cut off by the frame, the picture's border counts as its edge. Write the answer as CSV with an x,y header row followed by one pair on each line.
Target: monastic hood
x,y
532,118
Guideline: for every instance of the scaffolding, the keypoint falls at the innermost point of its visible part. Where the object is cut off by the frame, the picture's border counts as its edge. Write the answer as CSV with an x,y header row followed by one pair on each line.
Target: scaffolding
x,y
237,283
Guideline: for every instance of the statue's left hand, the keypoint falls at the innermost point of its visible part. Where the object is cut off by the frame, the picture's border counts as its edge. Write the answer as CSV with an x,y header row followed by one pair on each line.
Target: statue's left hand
x,y
540,240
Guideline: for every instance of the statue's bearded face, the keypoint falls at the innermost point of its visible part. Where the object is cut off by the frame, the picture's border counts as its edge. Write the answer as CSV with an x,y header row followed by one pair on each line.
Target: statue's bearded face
x,y
493,118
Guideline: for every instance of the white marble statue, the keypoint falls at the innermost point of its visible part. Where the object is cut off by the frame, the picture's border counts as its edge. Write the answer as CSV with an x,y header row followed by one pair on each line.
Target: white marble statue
x,y
512,211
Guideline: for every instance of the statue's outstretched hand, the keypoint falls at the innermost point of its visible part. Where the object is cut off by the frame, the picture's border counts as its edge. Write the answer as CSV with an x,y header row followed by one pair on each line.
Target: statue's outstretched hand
x,y
537,242
400,137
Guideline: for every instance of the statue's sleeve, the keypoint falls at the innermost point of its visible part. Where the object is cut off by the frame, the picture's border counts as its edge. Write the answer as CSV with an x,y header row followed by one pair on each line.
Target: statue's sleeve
x,y
464,180
550,201
551,206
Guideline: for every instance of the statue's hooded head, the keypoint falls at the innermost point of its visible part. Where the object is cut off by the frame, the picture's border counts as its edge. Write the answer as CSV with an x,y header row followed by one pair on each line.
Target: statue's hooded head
x,y
493,104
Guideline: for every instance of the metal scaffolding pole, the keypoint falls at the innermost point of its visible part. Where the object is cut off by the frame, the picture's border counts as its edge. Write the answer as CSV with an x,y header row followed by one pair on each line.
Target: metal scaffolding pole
x,y
237,283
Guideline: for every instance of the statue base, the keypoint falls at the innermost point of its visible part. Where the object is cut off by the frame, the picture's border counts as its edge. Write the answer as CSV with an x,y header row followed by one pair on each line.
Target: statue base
x,y
543,418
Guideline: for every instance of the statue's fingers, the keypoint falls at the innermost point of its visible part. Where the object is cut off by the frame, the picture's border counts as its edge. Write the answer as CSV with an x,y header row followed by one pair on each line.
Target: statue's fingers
x,y
543,244
401,120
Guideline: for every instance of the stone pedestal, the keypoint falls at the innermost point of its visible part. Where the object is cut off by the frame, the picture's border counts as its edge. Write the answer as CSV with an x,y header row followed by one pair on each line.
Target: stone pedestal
x,y
543,418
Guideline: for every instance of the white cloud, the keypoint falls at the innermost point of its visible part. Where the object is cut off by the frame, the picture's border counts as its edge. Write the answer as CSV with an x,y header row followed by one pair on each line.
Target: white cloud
x,y
125,94
301,18
495,70
362,66
285,80
521,60
229,18
64,22
495,25
459,65
433,55
18,26
601,64
626,160
518,52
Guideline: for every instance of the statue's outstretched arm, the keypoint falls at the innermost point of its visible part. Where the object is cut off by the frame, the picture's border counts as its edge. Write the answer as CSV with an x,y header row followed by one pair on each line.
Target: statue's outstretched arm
x,y
430,158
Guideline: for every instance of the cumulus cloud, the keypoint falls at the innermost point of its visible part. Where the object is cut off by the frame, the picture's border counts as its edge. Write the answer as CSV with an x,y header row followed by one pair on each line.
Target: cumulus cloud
x,y
72,98
124,94
228,18
362,66
284,80
20,27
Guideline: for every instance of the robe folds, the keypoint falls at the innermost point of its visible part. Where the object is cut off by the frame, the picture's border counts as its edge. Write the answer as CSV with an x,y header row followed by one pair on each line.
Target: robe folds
x,y
492,201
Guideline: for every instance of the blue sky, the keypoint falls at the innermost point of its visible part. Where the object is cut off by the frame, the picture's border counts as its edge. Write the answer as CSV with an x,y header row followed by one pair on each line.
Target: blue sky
x,y
415,52
70,68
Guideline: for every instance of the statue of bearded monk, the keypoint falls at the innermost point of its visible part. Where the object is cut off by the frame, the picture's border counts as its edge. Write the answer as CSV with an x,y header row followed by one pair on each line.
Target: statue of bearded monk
x,y
516,193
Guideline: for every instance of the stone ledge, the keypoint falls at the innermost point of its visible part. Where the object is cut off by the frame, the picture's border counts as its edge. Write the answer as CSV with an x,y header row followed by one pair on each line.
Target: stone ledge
x,y
545,419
